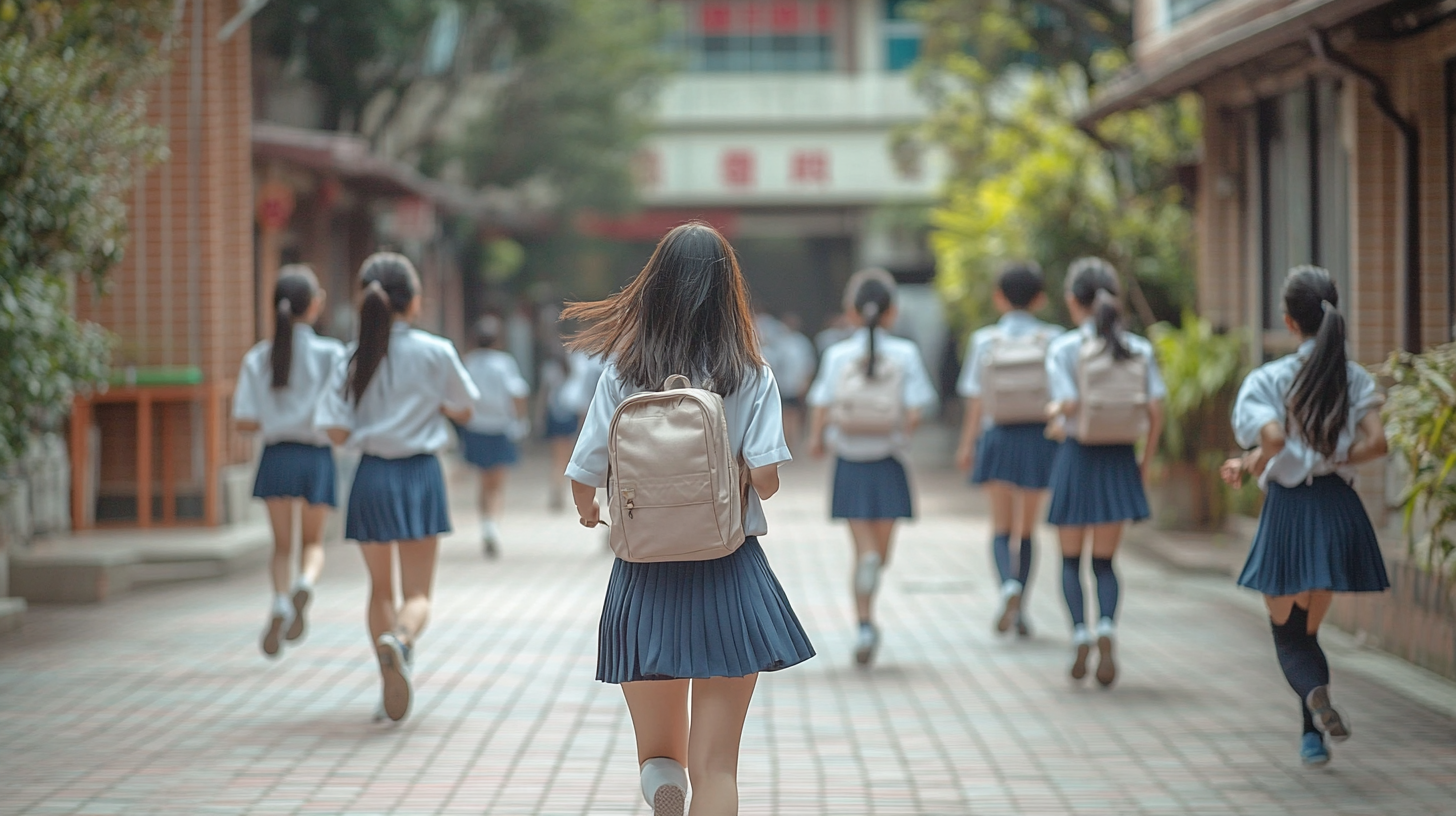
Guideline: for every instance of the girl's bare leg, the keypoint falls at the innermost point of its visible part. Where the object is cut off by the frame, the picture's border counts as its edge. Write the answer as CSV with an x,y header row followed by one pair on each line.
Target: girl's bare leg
x,y
379,558
719,707
311,562
416,582
280,569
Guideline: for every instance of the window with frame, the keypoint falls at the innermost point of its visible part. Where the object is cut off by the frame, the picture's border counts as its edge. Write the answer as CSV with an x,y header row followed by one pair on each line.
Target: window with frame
x,y
755,36
1304,167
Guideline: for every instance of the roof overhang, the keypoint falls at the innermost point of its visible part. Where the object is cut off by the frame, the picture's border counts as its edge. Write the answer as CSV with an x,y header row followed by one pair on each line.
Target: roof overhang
x,y
1222,52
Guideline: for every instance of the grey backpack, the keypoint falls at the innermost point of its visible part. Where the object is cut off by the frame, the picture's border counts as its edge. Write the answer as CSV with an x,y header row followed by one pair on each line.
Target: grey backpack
x,y
1112,407
1014,388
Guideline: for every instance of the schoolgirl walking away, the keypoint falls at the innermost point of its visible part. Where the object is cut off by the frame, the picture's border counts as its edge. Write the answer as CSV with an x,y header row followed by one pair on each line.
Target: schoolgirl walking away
x,y
1003,438
390,400
866,401
489,439
671,627
568,381
1107,395
278,386
1309,418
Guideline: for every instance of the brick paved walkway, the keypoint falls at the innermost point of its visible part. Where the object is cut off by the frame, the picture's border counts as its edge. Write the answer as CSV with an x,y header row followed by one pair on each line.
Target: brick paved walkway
x,y
159,703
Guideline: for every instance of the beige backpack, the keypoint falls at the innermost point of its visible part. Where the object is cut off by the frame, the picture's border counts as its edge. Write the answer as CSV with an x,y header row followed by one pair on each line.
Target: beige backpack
x,y
675,489
869,406
1112,408
1014,387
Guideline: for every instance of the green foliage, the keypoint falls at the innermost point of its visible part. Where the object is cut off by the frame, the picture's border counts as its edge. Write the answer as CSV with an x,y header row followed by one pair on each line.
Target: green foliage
x,y
1202,369
1419,412
568,100
72,138
1026,181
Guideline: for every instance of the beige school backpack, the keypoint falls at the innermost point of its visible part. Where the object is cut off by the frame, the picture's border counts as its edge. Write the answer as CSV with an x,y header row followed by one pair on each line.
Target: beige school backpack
x,y
1113,404
865,405
675,489
1014,385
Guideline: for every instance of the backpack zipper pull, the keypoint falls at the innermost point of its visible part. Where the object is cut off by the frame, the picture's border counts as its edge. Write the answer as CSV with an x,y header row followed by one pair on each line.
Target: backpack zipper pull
x,y
631,496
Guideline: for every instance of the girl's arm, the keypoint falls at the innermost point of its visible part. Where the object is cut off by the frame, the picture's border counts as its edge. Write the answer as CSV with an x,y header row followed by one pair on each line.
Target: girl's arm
x,y
1370,441
587,507
1155,434
970,432
912,420
338,436
818,421
460,415
1271,442
247,426
765,480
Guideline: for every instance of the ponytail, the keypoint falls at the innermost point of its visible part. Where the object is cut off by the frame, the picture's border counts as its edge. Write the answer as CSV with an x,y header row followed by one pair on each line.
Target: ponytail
x,y
1108,317
871,293
292,297
1319,398
390,286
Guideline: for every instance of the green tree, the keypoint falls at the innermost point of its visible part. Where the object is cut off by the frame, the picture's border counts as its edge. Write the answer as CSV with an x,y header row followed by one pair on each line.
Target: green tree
x,y
567,101
73,136
1026,181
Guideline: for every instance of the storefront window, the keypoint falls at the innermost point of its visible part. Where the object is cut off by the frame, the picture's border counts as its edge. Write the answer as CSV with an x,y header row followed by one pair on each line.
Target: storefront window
x,y
743,36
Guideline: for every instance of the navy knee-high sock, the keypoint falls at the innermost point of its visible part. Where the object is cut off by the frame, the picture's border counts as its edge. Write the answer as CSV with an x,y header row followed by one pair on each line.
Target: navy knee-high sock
x,y
1023,563
1072,589
1001,551
1107,589
1301,658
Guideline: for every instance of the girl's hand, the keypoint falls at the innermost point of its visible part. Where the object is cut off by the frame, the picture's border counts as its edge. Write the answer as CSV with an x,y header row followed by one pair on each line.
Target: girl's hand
x,y
965,457
1232,471
816,447
590,516
1256,461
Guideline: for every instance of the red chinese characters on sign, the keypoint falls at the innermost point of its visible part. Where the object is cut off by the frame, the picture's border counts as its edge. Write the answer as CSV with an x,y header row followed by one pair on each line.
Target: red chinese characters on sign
x,y
737,168
809,167
275,205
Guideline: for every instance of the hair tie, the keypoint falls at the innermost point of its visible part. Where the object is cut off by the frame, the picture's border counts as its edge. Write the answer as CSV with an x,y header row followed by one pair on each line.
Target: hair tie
x,y
871,310
285,307
1327,306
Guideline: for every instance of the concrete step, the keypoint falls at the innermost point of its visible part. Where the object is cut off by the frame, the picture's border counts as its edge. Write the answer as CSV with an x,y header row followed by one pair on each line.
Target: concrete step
x,y
94,566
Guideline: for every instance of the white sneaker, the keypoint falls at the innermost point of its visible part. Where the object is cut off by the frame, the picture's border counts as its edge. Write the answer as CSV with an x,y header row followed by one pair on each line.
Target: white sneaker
x,y
866,644
1106,664
394,668
1081,649
867,574
1010,605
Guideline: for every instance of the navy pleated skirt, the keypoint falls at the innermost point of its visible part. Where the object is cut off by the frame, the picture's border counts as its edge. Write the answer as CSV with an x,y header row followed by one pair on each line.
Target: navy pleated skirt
x,y
871,490
486,451
727,617
1314,536
560,424
397,500
297,471
1096,484
1017,454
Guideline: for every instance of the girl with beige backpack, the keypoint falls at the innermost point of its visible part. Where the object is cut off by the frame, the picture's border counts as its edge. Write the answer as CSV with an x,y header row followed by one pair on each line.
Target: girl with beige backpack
x,y
1107,396
866,401
686,434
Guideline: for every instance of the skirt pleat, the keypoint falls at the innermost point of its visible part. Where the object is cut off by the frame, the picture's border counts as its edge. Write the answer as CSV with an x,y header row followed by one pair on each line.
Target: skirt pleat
x,y
1096,484
397,500
1017,454
487,450
727,617
297,470
871,490
1316,536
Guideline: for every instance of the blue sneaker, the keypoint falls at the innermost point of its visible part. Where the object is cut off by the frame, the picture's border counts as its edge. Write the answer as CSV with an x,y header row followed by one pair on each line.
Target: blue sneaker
x,y
1313,752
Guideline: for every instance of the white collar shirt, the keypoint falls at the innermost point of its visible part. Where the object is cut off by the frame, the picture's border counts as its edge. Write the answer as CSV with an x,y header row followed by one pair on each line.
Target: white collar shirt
x,y
286,414
917,391
1016,323
399,415
1263,398
755,427
499,381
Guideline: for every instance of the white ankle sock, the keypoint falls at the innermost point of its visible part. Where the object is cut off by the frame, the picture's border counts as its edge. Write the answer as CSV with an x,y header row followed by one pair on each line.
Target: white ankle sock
x,y
660,771
488,528
282,606
302,582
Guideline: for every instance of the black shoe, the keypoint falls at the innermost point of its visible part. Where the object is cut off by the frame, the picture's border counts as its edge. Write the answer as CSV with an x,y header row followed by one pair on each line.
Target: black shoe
x,y
491,548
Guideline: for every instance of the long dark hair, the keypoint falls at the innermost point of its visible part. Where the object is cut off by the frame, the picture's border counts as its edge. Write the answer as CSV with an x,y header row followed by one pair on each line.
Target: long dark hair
x,y
390,285
685,313
1092,282
1319,399
871,293
292,295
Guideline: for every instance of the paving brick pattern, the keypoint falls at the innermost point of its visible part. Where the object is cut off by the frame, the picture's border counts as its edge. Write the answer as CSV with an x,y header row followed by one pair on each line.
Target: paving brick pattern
x,y
160,703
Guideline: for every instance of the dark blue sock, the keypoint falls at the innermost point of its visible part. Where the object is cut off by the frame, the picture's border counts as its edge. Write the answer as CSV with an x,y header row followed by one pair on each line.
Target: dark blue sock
x,y
1301,658
1072,589
1001,551
1023,563
1106,587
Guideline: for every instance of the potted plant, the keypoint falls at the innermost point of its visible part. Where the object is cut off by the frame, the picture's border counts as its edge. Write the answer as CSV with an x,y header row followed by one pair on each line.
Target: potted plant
x,y
1202,368
1420,423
